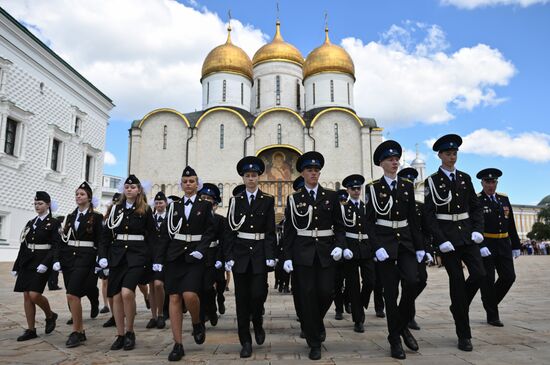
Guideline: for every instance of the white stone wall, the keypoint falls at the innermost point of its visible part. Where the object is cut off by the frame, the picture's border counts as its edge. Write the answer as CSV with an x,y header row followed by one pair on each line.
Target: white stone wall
x,y
212,91
290,79
266,130
322,90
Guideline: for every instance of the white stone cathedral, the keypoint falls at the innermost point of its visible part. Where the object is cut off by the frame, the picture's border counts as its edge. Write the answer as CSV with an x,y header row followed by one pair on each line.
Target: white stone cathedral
x,y
275,106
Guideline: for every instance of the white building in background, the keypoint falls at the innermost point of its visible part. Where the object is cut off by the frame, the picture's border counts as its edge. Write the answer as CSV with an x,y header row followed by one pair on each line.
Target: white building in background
x,y
52,129
110,186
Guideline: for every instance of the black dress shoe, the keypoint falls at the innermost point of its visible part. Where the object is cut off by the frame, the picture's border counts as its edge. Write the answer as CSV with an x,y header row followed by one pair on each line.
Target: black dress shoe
x,y
152,323
413,325
199,333
496,323
259,334
110,322
246,351
50,323
161,322
73,340
359,327
221,307
409,340
118,344
82,336
397,351
27,335
105,309
177,352
94,311
380,314
465,344
70,321
339,316
213,319
315,353
323,335
129,341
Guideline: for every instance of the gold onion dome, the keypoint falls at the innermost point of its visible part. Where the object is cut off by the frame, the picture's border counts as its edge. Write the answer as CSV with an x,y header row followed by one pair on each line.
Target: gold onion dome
x,y
278,50
328,58
227,58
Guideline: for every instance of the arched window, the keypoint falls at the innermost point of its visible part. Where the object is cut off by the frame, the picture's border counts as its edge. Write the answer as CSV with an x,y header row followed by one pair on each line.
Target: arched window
x,y
164,137
278,90
222,132
337,185
207,92
220,186
336,142
349,96
224,92
313,93
298,106
242,93
332,91
279,134
258,95
163,188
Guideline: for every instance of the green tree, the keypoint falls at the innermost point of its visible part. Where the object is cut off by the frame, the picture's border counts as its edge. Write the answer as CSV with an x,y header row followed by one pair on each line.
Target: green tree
x,y
540,231
544,215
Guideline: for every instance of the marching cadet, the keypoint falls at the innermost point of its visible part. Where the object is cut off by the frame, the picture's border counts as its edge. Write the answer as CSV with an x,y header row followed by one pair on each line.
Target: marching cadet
x,y
341,294
397,243
104,273
249,249
503,245
411,174
455,219
314,241
188,231
81,234
39,248
125,248
156,286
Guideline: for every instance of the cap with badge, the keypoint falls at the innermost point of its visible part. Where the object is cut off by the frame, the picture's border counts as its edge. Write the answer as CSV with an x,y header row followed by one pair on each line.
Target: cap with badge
x,y
386,149
160,196
188,171
116,198
174,198
211,190
42,196
298,183
489,174
250,164
132,179
449,142
310,159
342,195
238,189
353,181
409,173
87,188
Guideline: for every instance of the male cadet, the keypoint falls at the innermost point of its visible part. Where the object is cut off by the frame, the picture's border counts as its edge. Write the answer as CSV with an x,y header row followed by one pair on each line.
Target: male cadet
x,y
341,294
249,248
360,250
314,240
411,174
397,242
502,241
455,219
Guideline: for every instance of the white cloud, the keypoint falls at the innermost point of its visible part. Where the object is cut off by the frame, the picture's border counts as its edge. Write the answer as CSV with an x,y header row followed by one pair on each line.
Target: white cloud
x,y
144,55
109,158
403,79
472,4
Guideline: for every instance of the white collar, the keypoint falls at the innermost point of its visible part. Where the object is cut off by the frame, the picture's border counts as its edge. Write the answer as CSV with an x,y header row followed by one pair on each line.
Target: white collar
x,y
41,217
185,199
448,173
83,211
129,205
314,189
389,180
161,215
355,201
248,194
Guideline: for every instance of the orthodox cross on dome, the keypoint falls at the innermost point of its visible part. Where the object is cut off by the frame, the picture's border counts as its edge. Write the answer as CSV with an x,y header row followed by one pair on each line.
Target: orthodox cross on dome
x,y
277,11
416,145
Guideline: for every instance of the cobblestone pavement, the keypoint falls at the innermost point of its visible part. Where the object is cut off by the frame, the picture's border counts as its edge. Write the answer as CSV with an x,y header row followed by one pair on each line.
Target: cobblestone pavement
x,y
525,339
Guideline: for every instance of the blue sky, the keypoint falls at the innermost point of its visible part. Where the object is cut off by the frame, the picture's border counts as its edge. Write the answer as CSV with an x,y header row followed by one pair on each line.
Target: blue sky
x,y
489,58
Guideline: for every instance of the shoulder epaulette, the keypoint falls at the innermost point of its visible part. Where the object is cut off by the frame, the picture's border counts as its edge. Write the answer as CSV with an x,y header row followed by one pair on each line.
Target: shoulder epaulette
x,y
479,194
328,189
373,182
267,194
407,180
435,173
502,194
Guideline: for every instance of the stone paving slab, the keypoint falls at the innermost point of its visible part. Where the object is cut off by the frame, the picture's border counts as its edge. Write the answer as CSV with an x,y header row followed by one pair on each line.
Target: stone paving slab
x,y
525,339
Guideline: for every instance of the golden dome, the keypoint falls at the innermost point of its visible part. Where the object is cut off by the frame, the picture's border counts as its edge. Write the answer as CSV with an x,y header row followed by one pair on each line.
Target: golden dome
x,y
278,50
328,58
227,58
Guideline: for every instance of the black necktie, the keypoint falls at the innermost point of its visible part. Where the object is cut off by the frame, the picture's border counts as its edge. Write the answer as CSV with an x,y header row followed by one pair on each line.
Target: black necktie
x,y
189,201
356,205
452,175
80,216
312,195
251,199
394,189
159,219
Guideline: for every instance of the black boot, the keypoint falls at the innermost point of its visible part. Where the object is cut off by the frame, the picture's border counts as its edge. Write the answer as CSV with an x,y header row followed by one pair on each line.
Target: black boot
x,y
413,325
246,351
110,322
27,335
94,311
152,323
397,351
50,323
129,341
161,322
199,333
359,327
73,340
465,344
259,333
315,353
409,340
177,352
118,344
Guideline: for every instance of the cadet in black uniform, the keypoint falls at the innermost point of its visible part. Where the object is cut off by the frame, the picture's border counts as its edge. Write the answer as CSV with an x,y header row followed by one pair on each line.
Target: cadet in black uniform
x,y
103,274
126,248
314,241
455,219
249,250
188,231
81,234
341,295
397,242
39,247
502,242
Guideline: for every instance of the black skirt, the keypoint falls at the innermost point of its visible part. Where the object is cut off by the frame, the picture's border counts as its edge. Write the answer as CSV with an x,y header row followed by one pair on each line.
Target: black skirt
x,y
29,280
181,276
124,277
77,280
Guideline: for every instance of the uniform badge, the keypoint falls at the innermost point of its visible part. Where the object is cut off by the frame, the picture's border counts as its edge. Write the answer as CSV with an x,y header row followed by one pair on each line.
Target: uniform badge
x,y
199,212
506,211
406,193
175,213
327,202
382,195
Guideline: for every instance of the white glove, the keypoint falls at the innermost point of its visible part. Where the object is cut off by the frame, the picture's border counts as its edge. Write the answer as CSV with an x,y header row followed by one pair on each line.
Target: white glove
x,y
218,265
96,270
336,253
420,255
157,267
484,251
229,265
348,254
446,246
106,272
429,258
103,263
41,269
270,263
287,266
477,237
56,266
516,253
13,273
196,254
381,254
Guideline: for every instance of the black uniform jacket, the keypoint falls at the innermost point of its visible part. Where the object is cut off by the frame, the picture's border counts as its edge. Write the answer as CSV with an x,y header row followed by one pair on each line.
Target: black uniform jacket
x,y
498,222
215,253
260,218
200,222
362,249
464,200
136,253
326,215
90,228
46,232
404,208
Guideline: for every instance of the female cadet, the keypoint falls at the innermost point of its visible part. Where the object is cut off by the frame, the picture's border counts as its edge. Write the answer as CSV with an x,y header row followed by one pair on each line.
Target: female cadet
x,y
39,244
80,235
125,248
103,274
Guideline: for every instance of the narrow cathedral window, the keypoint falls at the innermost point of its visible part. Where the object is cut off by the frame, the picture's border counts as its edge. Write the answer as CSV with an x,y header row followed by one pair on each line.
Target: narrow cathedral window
x,y
11,130
332,91
298,95
242,93
163,188
313,93
221,136
349,98
220,187
224,90
336,135
207,93
164,137
258,95
279,134
278,90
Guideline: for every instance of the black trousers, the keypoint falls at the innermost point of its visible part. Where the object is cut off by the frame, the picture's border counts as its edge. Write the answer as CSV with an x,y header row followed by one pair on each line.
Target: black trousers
x,y
493,292
420,285
353,290
371,281
340,288
208,293
221,283
404,270
250,294
460,289
315,293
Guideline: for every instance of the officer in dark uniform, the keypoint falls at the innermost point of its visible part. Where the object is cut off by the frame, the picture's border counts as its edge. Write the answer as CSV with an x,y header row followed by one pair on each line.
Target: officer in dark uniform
x,y
185,237
502,242
39,248
397,242
341,295
455,220
314,240
249,250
